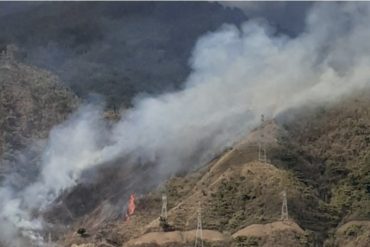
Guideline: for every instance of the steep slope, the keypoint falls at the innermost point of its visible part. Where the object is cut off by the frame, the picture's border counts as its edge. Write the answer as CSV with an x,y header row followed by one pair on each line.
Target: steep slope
x,y
31,102
334,141
234,189
318,155
117,49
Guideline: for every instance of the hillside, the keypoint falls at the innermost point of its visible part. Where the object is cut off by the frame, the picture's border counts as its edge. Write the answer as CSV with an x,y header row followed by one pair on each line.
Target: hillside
x,y
319,155
224,188
116,49
313,155
335,142
31,102
137,124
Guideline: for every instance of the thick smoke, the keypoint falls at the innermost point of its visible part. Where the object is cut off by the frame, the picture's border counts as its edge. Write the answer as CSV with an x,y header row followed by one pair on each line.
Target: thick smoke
x,y
72,147
237,74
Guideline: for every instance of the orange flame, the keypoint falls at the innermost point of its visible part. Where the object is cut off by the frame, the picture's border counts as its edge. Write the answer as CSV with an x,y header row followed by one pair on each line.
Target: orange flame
x,y
131,207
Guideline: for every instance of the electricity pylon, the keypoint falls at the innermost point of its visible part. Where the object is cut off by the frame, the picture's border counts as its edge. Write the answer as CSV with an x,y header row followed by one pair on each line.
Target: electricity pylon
x,y
50,244
284,207
164,207
199,232
67,210
261,145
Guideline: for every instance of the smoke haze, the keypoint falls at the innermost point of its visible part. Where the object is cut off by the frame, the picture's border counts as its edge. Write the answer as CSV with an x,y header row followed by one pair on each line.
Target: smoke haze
x,y
237,74
117,49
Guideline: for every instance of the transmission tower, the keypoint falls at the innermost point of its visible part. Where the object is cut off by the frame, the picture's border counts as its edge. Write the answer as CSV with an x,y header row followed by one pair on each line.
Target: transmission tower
x,y
261,145
199,232
50,244
67,210
164,207
284,207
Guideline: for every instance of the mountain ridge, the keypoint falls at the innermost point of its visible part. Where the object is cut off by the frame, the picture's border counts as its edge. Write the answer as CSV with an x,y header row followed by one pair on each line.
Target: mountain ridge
x,y
237,191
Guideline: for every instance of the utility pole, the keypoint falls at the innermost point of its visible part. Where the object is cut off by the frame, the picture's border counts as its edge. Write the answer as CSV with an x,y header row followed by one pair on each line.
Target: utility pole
x,y
261,144
164,207
284,207
199,232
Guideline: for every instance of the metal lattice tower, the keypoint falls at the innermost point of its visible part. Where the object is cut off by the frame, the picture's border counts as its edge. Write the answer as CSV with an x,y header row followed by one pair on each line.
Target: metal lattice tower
x,y
261,144
164,207
50,244
67,210
284,207
199,232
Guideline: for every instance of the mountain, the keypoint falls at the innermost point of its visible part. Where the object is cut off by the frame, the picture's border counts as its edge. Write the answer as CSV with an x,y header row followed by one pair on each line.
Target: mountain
x,y
32,101
116,49
318,155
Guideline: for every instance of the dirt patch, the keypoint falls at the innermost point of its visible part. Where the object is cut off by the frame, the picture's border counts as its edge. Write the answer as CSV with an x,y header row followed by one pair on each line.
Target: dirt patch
x,y
280,233
352,234
263,230
176,238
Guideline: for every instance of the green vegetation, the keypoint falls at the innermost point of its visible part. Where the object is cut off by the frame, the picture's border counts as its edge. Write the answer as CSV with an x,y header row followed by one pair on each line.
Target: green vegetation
x,y
247,241
228,204
32,101
354,231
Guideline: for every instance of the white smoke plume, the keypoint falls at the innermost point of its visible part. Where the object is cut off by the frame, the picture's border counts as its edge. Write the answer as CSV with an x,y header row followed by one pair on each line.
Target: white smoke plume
x,y
237,74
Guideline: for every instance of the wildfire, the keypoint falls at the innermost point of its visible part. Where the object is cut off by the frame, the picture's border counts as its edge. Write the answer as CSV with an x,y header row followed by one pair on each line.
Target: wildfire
x,y
131,207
